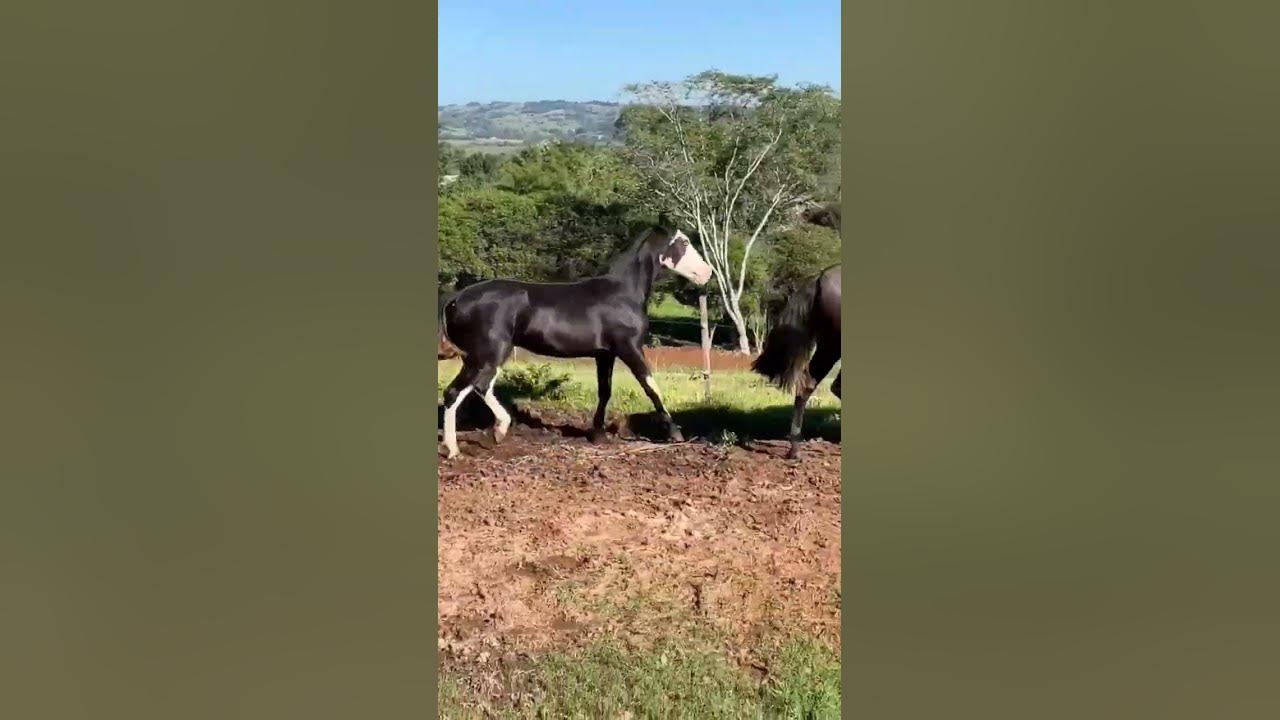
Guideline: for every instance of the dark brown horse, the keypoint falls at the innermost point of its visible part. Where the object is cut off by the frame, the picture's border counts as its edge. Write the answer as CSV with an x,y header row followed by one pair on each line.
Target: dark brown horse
x,y
810,323
825,215
805,344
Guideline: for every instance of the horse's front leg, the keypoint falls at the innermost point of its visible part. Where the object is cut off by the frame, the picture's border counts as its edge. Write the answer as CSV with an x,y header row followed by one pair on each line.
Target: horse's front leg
x,y
604,382
634,360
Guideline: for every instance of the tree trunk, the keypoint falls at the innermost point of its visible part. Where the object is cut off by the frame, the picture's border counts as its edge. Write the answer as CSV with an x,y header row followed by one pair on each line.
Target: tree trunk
x,y
744,336
733,308
706,347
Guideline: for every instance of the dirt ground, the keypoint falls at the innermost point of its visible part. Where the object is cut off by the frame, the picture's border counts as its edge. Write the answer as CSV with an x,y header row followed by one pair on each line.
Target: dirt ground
x,y
691,357
548,541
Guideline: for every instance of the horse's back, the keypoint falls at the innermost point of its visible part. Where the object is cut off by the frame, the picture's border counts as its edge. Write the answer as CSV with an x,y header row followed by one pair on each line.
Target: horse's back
x,y
573,294
568,294
575,319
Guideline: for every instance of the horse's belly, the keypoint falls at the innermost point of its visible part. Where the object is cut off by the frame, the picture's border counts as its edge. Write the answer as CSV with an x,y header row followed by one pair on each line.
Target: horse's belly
x,y
558,344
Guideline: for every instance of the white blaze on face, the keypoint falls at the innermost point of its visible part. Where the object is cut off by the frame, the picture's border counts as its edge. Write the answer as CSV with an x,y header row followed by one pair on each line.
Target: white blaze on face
x,y
691,264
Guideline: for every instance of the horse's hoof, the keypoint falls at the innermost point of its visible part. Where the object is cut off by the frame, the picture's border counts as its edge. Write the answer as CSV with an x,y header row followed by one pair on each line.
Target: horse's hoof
x,y
595,435
451,454
498,435
676,436
793,453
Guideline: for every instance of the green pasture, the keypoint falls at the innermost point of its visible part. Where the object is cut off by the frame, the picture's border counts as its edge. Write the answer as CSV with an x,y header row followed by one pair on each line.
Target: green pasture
x,y
676,679
742,406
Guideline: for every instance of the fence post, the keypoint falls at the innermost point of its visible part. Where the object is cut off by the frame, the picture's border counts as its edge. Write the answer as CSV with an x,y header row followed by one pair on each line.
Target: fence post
x,y
706,347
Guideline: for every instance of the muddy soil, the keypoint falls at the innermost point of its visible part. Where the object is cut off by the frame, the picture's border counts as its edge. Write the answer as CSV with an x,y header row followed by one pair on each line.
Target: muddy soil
x,y
548,541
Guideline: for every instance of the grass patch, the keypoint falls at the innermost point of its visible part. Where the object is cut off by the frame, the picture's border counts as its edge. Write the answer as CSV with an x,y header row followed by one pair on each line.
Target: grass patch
x,y
805,682
670,320
500,147
667,307
607,680
742,405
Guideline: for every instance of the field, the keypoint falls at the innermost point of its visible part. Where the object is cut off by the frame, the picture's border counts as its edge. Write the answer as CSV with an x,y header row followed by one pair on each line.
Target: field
x,y
638,578
496,146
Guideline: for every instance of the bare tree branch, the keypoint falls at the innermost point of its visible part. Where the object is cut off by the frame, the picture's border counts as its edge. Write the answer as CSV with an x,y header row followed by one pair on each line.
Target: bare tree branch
x,y
777,199
730,166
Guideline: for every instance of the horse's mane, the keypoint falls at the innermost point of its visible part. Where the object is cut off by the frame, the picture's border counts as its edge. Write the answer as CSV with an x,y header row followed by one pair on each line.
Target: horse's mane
x,y
624,262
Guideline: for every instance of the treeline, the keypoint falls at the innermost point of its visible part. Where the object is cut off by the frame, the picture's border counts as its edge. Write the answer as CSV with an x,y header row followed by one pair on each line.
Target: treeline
x,y
559,212
551,213
744,165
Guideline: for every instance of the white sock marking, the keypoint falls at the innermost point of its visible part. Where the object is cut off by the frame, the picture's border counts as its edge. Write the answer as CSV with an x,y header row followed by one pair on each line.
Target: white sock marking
x,y
451,423
648,380
499,412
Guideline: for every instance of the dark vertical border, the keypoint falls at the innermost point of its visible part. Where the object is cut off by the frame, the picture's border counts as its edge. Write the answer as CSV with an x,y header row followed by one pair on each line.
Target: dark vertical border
x,y
1060,391
850,257
432,325
216,393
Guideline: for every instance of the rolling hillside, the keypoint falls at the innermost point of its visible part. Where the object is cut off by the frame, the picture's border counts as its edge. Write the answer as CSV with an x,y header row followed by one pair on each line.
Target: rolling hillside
x,y
510,125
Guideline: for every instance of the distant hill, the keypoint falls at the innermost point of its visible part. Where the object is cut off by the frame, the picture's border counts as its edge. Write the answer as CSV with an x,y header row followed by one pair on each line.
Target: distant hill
x,y
514,124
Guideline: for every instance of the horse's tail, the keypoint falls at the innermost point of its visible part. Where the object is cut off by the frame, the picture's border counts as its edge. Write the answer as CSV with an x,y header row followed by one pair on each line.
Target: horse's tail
x,y
785,355
446,348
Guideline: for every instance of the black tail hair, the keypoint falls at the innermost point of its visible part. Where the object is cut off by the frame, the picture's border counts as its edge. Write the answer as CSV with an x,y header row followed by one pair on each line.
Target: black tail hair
x,y
784,359
447,349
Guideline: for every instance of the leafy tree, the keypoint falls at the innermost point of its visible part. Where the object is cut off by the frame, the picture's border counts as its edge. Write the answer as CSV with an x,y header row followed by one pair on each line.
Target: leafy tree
x,y
487,232
723,153
447,156
795,255
583,195
481,166
459,255
556,170
551,213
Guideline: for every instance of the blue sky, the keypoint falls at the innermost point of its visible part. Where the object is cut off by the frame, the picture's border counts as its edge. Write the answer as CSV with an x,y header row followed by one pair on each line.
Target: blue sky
x,y
578,50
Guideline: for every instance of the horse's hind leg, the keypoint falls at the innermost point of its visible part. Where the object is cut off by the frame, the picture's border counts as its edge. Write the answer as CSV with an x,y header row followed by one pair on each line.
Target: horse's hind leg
x,y
486,362
634,360
604,382
453,397
824,358
502,419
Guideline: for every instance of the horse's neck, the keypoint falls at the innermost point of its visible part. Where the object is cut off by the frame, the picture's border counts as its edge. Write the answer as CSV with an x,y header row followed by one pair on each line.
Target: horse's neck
x,y
639,275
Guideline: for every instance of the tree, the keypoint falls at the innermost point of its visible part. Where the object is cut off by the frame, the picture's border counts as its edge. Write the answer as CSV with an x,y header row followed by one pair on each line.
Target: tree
x,y
480,166
487,232
723,153
795,256
551,213
598,176
448,157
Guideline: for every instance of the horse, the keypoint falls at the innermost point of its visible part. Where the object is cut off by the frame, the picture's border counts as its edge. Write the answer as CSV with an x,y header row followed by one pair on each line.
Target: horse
x,y
824,215
604,317
811,318
810,323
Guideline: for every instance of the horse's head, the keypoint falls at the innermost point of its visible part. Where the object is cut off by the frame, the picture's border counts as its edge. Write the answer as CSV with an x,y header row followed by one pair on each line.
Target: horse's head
x,y
676,253
823,215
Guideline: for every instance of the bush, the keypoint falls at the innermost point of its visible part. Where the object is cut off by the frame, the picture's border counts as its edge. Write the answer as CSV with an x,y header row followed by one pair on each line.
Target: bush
x,y
536,382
